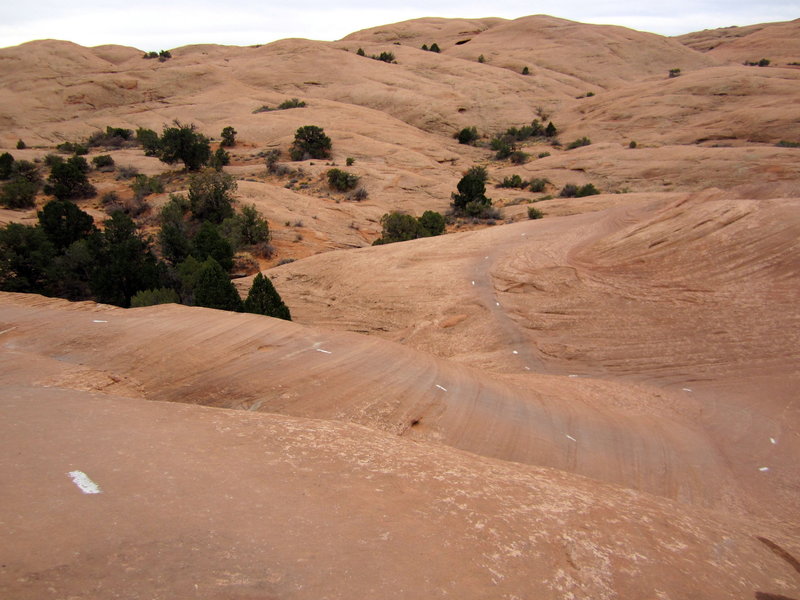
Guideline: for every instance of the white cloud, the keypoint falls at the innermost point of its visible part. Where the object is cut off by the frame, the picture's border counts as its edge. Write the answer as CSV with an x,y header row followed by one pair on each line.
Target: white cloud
x,y
151,24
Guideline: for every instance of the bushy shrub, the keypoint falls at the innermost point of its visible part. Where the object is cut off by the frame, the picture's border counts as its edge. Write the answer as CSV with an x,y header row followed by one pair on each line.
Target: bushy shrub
x,y
247,228
573,191
470,199
151,144
674,73
341,180
154,297
526,71
583,141
515,181
518,157
209,242
534,213
481,59
788,144
293,103
570,190
432,222
220,159
143,186
263,299
127,172
359,195
310,141
21,145
349,161
361,52
103,162
537,185
112,137
468,135
182,143
543,155
400,227
632,145
213,288
210,195
6,165
73,148
228,137
435,47
18,193
68,181
387,57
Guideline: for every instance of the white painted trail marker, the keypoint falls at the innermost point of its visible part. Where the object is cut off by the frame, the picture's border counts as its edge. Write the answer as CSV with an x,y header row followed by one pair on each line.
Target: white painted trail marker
x,y
473,283
763,469
571,375
497,303
86,485
324,351
99,321
7,330
441,388
687,389
773,440
514,352
572,438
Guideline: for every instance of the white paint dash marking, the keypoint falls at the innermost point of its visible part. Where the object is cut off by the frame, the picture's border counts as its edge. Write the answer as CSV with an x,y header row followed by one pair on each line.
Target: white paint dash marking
x,y
514,352
497,303
441,388
571,375
473,283
687,389
527,368
7,330
773,441
323,351
571,438
99,321
485,258
86,485
763,469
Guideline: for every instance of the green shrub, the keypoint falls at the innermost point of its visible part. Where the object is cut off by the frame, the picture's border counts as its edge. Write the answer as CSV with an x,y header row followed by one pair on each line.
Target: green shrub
x,y
481,59
154,297
220,159
143,186
503,146
210,195
518,157
103,161
399,227
361,52
570,190
515,181
6,165
228,137
435,47
432,222
537,185
543,155
182,143
468,135
550,131
425,47
349,161
149,141
263,299
112,137
310,141
534,213
64,223
21,145
587,190
341,180
293,103
470,199
19,192
674,73
387,57
213,288
525,71
209,242
632,145
247,228
584,141
68,181
73,148
787,144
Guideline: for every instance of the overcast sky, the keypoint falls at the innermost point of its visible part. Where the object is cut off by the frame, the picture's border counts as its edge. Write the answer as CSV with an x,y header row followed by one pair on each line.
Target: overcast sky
x,y
166,24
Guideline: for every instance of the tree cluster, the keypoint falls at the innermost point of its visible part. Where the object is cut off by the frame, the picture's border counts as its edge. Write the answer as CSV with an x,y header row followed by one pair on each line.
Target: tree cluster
x,y
470,200
399,227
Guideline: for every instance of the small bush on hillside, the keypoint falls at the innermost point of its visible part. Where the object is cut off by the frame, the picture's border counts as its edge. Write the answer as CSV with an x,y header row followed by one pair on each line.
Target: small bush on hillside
x,y
468,135
149,141
21,145
543,155
210,195
349,161
632,145
68,181
6,165
103,162
435,47
359,195
228,137
219,159
361,52
112,137
534,213
399,227
526,71
127,172
154,297
310,141
537,185
481,59
515,181
293,103
674,73
518,157
787,144
573,191
584,141
424,47
143,186
263,299
182,143
342,180
570,190
73,148
387,57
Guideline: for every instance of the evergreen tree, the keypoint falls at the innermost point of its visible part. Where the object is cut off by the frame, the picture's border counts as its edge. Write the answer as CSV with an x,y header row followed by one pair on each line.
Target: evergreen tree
x,y
551,130
214,289
183,144
263,299
209,243
25,259
471,191
124,262
310,141
228,137
210,196
68,180
64,223
6,162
